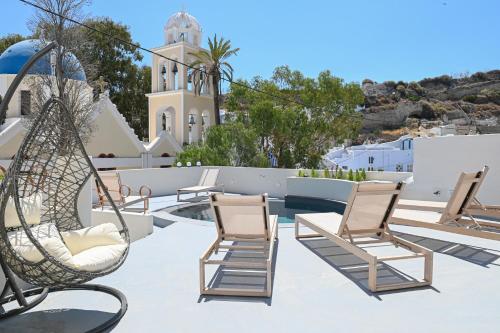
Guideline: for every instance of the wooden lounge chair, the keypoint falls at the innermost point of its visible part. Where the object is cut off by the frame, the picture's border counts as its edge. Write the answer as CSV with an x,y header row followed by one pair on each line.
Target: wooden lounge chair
x,y
121,194
365,221
457,214
246,235
208,182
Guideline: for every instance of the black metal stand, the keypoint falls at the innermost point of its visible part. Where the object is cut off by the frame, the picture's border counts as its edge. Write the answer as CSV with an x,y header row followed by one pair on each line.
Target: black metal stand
x,y
24,305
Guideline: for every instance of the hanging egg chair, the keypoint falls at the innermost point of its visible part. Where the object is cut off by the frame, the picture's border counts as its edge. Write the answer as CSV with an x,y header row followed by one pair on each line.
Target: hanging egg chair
x,y
42,239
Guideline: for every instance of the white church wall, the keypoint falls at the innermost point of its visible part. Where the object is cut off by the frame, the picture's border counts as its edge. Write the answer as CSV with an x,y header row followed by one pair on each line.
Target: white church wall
x,y
112,134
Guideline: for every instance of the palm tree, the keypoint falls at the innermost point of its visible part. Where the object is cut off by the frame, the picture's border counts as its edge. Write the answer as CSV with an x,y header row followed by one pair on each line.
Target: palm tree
x,y
216,66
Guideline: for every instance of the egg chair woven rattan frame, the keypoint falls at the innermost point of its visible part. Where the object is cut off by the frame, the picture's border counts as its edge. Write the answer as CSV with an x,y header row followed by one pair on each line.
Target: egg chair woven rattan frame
x,y
52,163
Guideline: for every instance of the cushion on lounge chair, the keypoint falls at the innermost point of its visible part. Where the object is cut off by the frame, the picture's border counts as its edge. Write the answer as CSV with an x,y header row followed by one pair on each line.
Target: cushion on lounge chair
x,y
89,249
30,206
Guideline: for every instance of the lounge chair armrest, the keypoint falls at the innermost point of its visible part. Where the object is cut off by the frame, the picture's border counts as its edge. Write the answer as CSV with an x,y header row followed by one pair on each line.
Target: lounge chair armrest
x,y
127,189
143,190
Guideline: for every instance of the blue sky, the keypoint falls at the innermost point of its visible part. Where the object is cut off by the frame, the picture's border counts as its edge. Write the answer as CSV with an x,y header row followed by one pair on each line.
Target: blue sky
x,y
355,39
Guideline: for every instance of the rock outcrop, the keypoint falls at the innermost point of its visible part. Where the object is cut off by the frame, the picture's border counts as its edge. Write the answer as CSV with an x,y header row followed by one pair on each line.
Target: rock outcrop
x,y
467,101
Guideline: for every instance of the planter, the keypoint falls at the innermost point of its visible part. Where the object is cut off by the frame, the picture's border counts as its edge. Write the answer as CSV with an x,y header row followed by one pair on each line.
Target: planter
x,y
324,188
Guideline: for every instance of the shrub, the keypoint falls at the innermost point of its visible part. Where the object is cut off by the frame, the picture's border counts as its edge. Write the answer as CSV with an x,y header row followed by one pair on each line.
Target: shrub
x,y
479,76
470,98
350,175
401,90
443,79
390,84
363,174
326,173
413,98
314,173
339,174
416,87
402,83
301,173
357,176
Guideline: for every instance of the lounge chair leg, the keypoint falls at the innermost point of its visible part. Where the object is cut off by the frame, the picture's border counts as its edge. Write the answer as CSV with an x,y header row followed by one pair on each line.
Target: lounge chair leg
x,y
428,267
178,195
372,276
297,236
202,276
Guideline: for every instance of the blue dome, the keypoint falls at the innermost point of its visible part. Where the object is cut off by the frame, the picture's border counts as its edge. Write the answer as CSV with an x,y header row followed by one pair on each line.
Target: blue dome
x,y
13,59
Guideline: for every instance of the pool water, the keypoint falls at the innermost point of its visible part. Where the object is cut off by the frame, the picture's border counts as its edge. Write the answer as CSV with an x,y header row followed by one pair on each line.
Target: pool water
x,y
285,209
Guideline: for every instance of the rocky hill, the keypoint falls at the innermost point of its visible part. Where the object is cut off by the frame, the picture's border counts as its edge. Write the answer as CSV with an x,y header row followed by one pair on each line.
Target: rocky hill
x,y
471,102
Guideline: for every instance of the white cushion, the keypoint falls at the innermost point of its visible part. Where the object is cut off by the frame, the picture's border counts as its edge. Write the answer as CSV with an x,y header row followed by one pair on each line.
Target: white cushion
x,y
99,235
99,257
92,249
47,236
30,207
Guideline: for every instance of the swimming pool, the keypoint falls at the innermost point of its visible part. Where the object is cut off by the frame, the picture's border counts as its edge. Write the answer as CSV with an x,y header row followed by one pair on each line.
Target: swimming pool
x,y
285,209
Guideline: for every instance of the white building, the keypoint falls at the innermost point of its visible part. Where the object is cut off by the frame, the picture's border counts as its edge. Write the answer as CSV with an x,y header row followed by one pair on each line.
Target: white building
x,y
389,156
176,114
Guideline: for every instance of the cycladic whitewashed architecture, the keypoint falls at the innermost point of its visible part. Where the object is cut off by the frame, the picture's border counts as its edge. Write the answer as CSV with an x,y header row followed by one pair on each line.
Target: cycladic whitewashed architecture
x,y
389,156
177,114
181,100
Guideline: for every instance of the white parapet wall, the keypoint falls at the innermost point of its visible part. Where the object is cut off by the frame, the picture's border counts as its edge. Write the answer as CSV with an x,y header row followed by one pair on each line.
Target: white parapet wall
x,y
166,181
325,188
438,162
139,225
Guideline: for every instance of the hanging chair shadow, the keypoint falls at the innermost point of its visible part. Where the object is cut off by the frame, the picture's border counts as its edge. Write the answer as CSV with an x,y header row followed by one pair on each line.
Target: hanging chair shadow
x,y
42,239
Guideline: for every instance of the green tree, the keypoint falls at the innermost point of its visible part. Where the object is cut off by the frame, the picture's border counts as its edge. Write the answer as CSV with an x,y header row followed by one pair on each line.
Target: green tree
x,y
298,118
228,144
217,67
350,175
116,63
363,174
326,173
9,40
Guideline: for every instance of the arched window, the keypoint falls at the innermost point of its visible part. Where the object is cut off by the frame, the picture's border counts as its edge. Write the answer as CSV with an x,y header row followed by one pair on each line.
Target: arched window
x,y
163,77
163,122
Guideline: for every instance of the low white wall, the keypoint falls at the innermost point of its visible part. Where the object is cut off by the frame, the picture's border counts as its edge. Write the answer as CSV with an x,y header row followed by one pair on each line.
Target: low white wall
x,y
390,176
85,203
438,162
256,180
139,225
161,181
165,181
325,188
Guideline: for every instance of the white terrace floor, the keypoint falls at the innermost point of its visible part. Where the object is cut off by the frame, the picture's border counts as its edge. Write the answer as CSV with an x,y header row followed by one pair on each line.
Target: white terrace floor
x,y
313,290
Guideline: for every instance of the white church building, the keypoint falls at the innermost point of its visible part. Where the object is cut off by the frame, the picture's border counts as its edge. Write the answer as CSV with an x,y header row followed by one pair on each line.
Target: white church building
x,y
176,114
389,156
